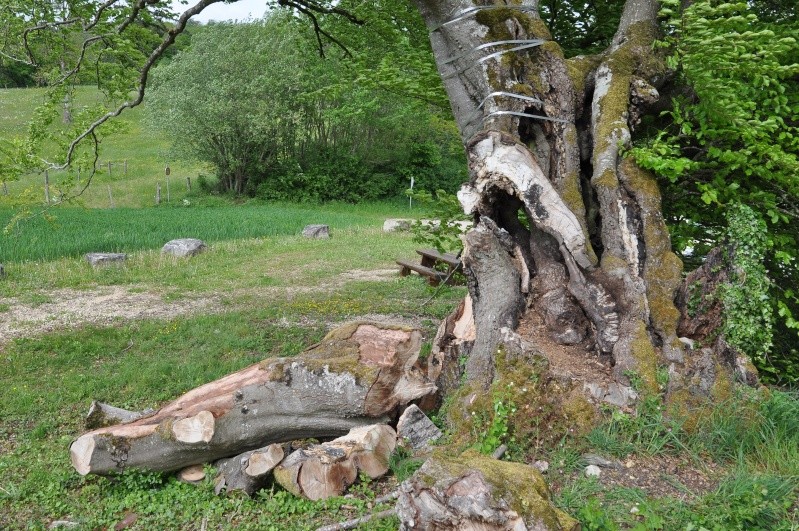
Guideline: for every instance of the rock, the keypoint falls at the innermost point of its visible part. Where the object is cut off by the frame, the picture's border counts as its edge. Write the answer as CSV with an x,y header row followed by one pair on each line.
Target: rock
x,y
473,491
687,342
541,466
616,394
184,247
58,524
592,471
100,259
317,232
598,460
418,430
432,224
397,225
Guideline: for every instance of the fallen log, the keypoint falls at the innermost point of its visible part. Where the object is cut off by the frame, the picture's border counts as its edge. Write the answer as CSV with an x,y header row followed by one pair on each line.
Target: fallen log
x,y
249,471
358,375
327,469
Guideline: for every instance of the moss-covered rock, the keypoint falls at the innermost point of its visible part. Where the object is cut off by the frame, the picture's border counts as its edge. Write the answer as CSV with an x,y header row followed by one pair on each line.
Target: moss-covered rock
x,y
475,491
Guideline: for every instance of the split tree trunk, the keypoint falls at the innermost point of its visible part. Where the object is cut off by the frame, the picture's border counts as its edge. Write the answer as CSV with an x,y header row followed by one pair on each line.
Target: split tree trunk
x,y
358,375
569,232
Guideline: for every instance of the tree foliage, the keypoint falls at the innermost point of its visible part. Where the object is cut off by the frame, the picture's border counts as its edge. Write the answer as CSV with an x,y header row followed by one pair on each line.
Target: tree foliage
x,y
338,127
732,138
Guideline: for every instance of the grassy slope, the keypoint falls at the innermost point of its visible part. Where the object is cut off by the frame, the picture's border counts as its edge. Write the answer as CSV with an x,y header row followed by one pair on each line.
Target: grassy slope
x,y
145,151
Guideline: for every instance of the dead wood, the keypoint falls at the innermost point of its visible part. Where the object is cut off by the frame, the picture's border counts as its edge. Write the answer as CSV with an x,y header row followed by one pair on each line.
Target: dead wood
x,y
357,376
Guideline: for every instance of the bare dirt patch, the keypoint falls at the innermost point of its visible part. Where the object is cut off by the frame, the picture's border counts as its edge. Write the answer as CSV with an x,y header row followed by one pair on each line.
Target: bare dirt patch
x,y
70,308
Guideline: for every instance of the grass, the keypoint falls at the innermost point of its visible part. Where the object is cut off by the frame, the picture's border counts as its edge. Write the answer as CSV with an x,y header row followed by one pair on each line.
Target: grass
x,y
279,295
74,231
145,150
754,437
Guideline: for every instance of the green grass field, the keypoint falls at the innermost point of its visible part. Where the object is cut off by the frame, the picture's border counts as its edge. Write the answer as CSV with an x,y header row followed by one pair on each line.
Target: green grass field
x,y
145,150
73,231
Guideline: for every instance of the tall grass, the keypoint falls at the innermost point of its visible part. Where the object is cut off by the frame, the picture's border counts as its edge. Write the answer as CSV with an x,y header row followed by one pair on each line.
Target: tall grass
x,y
76,231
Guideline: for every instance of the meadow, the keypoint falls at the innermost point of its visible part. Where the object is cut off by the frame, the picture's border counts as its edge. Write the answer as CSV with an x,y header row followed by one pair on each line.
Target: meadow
x,y
130,139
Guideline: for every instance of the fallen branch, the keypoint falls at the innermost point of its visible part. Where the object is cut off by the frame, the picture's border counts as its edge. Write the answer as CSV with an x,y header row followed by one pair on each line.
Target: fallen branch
x,y
352,524
357,376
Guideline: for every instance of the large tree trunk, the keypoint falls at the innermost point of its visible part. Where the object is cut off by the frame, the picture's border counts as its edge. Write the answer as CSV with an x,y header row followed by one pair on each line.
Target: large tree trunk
x,y
569,246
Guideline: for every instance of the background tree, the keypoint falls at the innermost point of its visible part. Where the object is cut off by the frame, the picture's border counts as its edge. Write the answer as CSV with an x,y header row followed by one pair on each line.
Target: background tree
x,y
318,139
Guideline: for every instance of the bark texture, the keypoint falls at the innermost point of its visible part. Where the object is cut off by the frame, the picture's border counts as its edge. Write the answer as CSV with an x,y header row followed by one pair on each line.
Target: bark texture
x,y
568,232
358,375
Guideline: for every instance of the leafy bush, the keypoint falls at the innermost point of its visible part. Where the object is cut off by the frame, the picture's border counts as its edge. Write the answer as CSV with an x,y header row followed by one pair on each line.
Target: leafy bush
x,y
731,138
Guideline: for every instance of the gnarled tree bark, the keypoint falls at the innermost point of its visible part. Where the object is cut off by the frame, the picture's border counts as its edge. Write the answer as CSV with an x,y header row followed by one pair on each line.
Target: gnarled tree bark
x,y
568,230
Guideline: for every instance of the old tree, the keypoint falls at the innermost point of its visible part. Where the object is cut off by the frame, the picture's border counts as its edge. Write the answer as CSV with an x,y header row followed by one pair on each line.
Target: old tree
x,y
571,274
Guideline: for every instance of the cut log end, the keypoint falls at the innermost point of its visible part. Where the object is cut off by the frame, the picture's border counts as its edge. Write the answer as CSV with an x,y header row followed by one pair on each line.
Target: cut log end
x,y
262,462
196,429
192,474
81,454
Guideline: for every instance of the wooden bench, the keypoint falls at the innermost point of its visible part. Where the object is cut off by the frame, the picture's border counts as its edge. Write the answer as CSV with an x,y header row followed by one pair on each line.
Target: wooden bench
x,y
431,257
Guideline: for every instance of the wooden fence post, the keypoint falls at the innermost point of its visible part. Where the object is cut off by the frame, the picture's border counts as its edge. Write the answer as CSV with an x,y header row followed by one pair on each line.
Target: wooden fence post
x,y
188,183
47,186
158,194
111,197
126,167
5,188
109,168
167,189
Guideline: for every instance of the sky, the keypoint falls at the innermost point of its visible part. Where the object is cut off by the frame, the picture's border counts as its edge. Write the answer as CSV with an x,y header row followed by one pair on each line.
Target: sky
x,y
241,10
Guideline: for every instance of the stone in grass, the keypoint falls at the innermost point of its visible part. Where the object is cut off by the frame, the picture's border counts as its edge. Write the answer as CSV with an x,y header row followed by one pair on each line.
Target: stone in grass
x,y
184,247
396,225
101,259
317,232
418,430
592,471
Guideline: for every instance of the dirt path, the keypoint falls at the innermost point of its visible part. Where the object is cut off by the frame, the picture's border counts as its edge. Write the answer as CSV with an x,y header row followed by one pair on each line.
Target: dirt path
x,y
69,308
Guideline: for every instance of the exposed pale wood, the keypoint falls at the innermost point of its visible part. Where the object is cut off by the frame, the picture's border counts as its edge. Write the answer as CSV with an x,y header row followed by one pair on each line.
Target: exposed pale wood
x,y
192,474
358,375
327,469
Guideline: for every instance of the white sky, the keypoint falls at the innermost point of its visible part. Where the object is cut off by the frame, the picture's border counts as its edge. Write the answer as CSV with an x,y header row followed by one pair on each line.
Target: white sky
x,y
241,10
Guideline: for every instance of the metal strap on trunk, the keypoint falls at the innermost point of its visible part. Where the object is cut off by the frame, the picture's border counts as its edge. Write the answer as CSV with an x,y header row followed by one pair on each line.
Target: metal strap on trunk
x,y
472,10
